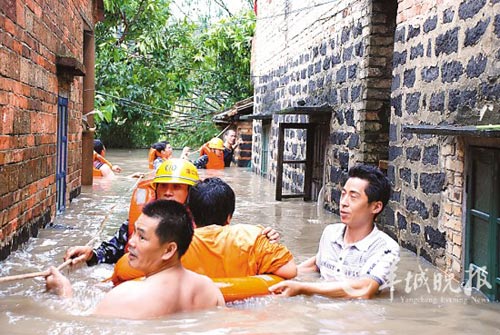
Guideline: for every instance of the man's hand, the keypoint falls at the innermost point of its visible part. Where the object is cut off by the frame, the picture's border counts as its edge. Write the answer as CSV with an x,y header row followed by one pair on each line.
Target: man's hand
x,y
116,168
185,153
287,288
57,283
272,234
78,254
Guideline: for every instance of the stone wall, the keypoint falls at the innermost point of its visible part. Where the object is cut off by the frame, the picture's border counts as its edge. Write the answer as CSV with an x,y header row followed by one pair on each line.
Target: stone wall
x,y
32,34
446,70
337,54
383,65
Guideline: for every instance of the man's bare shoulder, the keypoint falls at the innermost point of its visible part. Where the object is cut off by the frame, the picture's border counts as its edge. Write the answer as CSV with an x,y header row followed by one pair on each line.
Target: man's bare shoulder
x,y
205,292
119,301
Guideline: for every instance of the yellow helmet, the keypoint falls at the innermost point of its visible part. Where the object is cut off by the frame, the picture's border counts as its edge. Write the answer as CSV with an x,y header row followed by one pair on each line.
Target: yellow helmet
x,y
176,171
216,143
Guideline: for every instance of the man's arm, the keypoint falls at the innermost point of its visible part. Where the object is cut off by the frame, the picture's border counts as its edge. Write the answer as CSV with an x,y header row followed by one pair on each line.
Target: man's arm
x,y
308,266
364,288
121,302
273,258
107,252
56,282
111,251
287,271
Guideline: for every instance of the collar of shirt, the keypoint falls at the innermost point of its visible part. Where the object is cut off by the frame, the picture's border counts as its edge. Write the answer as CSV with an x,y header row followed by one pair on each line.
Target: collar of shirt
x,y
361,245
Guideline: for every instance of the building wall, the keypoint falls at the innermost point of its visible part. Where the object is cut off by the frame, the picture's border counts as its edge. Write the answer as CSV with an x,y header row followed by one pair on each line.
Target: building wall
x,y
32,34
446,70
243,152
337,54
380,68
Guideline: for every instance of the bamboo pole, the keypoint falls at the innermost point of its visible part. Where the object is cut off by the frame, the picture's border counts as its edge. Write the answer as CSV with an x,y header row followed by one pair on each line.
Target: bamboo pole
x,y
61,266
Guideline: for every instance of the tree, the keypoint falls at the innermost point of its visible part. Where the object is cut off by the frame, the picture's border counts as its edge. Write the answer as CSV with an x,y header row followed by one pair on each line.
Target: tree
x,y
161,76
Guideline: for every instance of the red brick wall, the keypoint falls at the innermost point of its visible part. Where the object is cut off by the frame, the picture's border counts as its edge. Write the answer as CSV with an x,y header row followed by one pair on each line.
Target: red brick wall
x,y
32,34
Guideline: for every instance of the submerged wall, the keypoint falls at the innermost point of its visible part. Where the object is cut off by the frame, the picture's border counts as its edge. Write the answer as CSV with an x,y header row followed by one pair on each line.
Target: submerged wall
x,y
33,35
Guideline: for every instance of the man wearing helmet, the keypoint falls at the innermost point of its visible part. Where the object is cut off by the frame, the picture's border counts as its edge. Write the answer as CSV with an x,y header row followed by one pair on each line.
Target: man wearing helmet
x,y
211,155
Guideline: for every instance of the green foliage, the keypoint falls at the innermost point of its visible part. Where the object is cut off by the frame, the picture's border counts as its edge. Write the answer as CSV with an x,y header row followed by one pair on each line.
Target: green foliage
x,y
158,77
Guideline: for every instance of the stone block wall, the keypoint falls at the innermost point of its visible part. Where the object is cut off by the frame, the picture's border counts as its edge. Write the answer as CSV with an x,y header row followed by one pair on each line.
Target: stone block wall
x,y
32,34
337,54
446,72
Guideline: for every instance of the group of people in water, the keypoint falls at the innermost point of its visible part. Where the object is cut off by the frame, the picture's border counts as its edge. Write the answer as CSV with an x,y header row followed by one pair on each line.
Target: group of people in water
x,y
184,236
215,154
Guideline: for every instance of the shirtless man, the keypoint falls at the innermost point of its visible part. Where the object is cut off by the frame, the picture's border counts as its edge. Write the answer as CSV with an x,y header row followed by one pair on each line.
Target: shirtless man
x,y
162,235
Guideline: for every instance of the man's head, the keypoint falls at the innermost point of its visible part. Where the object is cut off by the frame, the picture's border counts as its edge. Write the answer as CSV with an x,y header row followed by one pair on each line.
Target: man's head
x,y
173,179
99,147
230,137
364,195
211,201
217,146
163,230
163,148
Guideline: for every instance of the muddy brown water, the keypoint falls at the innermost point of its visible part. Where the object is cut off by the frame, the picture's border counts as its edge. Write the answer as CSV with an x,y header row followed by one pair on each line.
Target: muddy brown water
x,y
423,300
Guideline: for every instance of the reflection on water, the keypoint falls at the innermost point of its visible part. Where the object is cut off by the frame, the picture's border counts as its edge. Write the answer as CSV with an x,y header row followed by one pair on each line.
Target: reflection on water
x,y
423,301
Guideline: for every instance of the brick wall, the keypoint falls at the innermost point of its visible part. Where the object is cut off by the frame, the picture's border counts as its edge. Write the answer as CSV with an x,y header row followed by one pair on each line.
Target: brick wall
x,y
32,34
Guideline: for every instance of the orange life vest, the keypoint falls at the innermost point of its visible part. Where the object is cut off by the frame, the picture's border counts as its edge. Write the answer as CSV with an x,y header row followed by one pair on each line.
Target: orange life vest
x,y
152,155
96,157
214,162
143,193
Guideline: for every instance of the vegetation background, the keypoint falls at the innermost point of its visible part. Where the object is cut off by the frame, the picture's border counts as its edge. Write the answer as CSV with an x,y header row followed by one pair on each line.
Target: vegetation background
x,y
165,67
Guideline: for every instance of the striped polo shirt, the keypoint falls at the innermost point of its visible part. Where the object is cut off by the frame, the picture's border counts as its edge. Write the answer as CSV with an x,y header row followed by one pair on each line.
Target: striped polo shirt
x,y
375,256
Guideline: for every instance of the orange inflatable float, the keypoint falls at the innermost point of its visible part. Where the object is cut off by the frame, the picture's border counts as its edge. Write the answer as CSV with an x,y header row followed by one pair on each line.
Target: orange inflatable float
x,y
96,157
236,288
239,288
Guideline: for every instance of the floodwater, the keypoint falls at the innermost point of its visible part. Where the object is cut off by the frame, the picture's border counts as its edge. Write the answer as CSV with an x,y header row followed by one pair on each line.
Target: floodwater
x,y
423,302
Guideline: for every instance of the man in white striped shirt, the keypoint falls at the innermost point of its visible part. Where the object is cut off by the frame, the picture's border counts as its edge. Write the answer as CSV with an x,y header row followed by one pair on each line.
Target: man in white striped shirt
x,y
355,258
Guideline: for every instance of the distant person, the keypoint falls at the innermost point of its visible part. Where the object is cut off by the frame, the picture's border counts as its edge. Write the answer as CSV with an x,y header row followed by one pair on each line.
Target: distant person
x,y
211,155
219,249
230,145
102,167
162,235
158,153
354,257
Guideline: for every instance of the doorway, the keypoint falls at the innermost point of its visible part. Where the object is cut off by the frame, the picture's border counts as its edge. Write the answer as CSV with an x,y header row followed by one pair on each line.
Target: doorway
x,y
483,220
